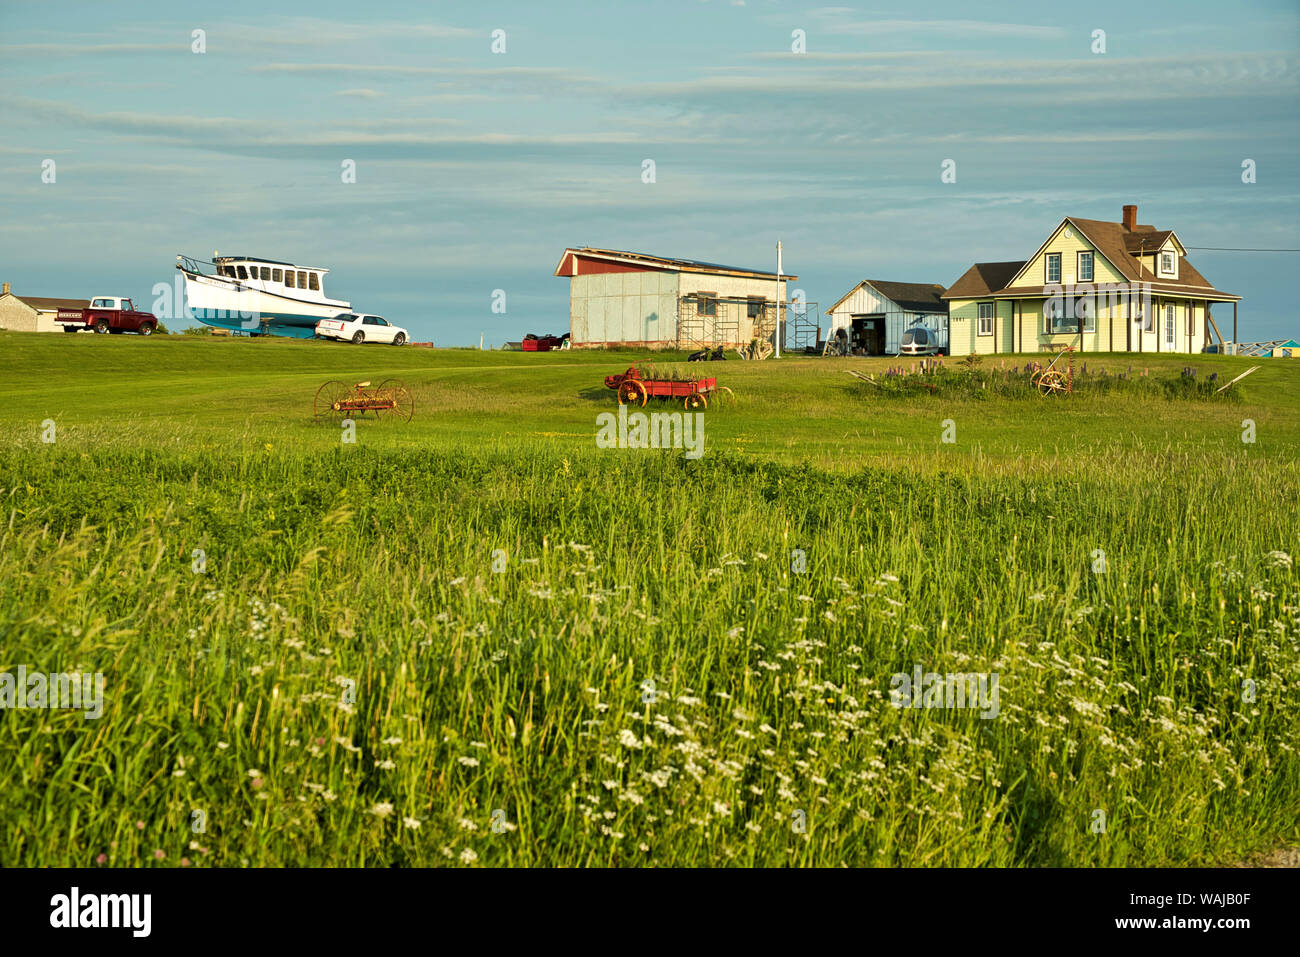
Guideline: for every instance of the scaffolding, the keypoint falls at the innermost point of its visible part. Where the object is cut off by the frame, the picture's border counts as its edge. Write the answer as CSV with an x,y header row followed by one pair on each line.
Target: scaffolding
x,y
802,328
735,322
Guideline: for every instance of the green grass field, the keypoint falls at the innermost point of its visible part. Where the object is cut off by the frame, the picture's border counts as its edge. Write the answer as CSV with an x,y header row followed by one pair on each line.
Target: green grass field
x,y
478,639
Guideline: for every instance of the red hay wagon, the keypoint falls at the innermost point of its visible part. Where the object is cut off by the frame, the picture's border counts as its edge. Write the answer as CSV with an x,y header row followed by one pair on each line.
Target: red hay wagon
x,y
633,389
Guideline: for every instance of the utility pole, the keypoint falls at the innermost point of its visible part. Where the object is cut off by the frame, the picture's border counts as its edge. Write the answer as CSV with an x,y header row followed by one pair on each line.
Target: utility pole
x,y
778,298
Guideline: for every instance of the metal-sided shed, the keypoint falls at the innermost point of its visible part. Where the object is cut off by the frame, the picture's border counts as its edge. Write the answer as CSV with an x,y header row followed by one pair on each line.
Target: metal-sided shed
x,y
619,298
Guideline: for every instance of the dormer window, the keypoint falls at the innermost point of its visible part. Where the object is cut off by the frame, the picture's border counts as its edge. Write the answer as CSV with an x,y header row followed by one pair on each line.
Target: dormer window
x,y
1168,263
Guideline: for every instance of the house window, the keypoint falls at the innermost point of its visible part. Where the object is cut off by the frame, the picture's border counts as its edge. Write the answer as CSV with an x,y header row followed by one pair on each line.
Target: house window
x,y
986,318
1085,267
1142,316
314,279
1053,267
277,275
1062,316
288,278
1166,263
1169,324
707,303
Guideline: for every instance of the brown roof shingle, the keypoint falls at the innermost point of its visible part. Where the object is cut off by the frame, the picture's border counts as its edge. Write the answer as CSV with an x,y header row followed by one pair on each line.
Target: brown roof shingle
x,y
917,296
1114,242
44,303
982,279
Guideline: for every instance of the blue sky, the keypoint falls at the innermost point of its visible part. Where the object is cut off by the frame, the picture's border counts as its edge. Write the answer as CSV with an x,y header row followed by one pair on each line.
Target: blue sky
x,y
475,169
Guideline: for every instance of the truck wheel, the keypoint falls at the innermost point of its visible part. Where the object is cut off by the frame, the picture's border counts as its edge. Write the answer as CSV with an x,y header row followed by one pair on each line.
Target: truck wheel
x,y
399,339
101,326
358,337
146,330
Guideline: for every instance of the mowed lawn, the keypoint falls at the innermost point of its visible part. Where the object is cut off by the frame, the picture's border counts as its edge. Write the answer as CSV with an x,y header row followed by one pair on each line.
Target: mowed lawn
x,y
478,639
807,410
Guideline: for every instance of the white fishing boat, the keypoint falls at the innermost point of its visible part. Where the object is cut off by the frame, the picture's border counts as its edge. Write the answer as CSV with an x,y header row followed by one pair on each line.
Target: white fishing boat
x,y
259,296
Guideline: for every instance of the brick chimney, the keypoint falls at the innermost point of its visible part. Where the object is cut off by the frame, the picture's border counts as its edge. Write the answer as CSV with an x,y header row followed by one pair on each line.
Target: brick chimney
x,y
1130,218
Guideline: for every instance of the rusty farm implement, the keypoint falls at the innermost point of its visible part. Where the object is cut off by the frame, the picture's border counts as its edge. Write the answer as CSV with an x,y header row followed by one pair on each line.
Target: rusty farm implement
x,y
389,399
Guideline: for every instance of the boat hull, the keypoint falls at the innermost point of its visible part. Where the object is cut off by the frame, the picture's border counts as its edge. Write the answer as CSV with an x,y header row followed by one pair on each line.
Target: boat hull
x,y
228,304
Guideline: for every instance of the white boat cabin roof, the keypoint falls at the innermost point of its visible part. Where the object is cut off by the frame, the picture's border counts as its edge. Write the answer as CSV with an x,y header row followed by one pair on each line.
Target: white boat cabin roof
x,y
258,261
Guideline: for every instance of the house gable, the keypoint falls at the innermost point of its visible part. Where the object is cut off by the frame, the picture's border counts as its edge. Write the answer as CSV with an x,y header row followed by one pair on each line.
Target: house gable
x,y
1066,242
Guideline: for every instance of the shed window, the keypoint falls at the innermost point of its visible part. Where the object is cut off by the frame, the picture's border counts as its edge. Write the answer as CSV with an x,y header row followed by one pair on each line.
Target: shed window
x,y
1053,267
756,306
986,318
707,303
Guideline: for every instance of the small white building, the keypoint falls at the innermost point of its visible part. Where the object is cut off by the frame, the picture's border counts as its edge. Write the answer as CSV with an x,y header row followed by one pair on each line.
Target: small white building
x,y
875,313
619,298
33,313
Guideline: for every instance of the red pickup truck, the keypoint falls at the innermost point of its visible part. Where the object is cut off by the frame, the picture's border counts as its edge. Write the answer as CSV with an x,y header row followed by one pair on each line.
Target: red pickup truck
x,y
108,314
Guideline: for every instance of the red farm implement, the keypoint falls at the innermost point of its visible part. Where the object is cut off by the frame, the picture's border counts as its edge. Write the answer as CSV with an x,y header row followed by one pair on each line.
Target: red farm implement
x,y
390,398
634,389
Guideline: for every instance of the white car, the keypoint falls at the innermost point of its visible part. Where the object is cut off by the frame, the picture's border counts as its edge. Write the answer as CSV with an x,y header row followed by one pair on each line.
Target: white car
x,y
350,327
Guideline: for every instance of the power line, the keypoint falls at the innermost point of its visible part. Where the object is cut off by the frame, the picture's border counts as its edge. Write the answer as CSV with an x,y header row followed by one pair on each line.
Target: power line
x,y
1238,249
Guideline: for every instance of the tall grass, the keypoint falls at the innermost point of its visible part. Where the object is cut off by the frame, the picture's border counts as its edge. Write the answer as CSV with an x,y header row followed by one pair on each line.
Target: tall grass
x,y
647,678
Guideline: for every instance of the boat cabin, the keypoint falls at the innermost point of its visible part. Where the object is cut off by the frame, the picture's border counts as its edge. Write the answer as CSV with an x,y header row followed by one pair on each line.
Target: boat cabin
x,y
271,276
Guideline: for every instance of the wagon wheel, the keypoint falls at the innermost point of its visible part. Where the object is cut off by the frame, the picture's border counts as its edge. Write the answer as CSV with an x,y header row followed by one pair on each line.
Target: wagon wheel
x,y
696,400
328,398
723,396
1051,382
404,405
631,392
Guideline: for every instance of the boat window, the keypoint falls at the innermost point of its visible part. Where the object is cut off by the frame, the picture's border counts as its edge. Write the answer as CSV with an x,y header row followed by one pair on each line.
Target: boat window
x,y
243,273
315,281
302,279
266,273
288,278
277,275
